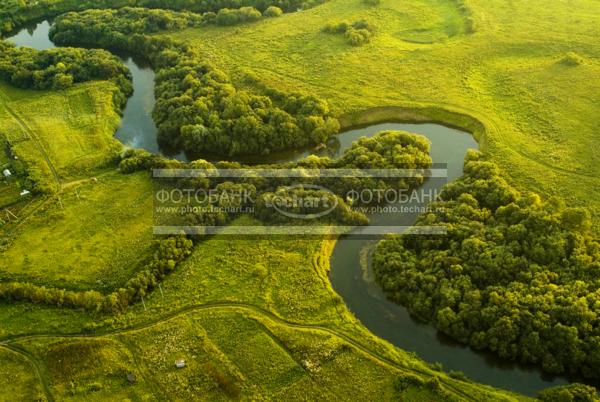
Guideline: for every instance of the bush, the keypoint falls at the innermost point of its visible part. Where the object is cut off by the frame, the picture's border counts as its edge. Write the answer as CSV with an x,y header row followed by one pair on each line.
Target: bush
x,y
227,16
358,37
273,11
357,33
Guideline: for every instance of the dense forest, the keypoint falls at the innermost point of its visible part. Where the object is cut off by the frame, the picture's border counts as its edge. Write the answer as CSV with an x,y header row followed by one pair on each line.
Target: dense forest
x,y
516,275
61,68
14,13
198,108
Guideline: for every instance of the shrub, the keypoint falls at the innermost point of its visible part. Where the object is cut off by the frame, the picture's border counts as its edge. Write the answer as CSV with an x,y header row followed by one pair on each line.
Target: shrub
x,y
572,59
358,37
357,33
227,16
273,11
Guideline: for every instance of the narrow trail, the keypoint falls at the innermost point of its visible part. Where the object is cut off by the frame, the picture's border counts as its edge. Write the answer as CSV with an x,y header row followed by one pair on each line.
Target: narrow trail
x,y
8,342
32,135
36,367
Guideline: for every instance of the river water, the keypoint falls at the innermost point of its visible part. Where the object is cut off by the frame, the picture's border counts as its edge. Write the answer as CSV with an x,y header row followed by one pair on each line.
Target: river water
x,y
350,273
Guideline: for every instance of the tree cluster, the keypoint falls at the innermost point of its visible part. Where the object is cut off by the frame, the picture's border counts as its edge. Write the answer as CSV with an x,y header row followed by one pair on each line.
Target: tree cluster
x,y
198,109
357,33
386,150
61,68
569,393
15,13
515,275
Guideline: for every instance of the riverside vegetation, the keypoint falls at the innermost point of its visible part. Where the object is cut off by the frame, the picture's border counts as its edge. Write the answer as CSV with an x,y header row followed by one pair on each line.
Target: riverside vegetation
x,y
207,104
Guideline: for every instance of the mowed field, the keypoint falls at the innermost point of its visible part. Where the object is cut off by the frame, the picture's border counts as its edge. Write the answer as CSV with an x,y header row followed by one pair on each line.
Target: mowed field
x,y
513,73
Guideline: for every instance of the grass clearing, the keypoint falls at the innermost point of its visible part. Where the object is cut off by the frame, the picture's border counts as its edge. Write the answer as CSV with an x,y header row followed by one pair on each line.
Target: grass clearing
x,y
96,241
64,134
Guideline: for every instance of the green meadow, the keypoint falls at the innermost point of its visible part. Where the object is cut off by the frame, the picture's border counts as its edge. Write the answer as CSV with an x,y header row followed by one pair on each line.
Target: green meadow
x,y
514,73
257,319
270,328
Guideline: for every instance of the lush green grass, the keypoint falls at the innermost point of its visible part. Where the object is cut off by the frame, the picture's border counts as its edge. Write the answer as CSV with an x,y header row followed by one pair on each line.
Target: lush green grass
x,y
540,114
99,237
66,133
269,328
17,378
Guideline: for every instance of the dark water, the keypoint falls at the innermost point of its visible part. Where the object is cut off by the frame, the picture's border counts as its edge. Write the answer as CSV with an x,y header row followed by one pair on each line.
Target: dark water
x,y
355,283
137,128
351,279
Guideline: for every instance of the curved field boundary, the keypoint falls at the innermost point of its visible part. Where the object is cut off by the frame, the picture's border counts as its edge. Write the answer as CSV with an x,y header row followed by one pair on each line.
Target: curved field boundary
x,y
235,307
36,367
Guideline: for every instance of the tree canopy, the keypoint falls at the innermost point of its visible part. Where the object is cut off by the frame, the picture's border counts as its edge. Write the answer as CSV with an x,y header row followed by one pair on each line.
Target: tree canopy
x,y
515,274
198,109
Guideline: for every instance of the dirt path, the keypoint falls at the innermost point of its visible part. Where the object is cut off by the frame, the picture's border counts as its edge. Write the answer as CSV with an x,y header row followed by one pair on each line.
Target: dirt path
x,y
236,307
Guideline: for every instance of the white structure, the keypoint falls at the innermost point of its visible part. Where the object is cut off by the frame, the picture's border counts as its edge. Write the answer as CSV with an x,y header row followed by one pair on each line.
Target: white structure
x,y
25,192
180,363
6,173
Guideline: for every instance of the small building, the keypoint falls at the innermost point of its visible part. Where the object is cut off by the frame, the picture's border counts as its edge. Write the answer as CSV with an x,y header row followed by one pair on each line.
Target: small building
x,y
25,192
180,363
6,173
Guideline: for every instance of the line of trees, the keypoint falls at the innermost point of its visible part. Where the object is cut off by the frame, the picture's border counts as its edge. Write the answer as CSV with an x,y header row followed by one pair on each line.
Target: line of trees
x,y
515,275
16,13
169,252
198,109
386,150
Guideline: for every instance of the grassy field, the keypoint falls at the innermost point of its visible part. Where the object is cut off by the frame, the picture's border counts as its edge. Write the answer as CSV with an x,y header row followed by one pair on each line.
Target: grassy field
x,y
99,237
258,318
540,111
64,135
17,378
272,328
94,231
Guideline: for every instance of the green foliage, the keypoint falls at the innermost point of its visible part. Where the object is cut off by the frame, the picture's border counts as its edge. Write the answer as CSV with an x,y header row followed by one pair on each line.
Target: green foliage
x,y
198,109
357,33
60,68
228,16
515,275
569,393
273,11
15,13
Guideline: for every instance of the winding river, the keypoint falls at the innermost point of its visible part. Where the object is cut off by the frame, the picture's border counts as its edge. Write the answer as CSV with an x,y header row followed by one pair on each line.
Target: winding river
x,y
350,274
